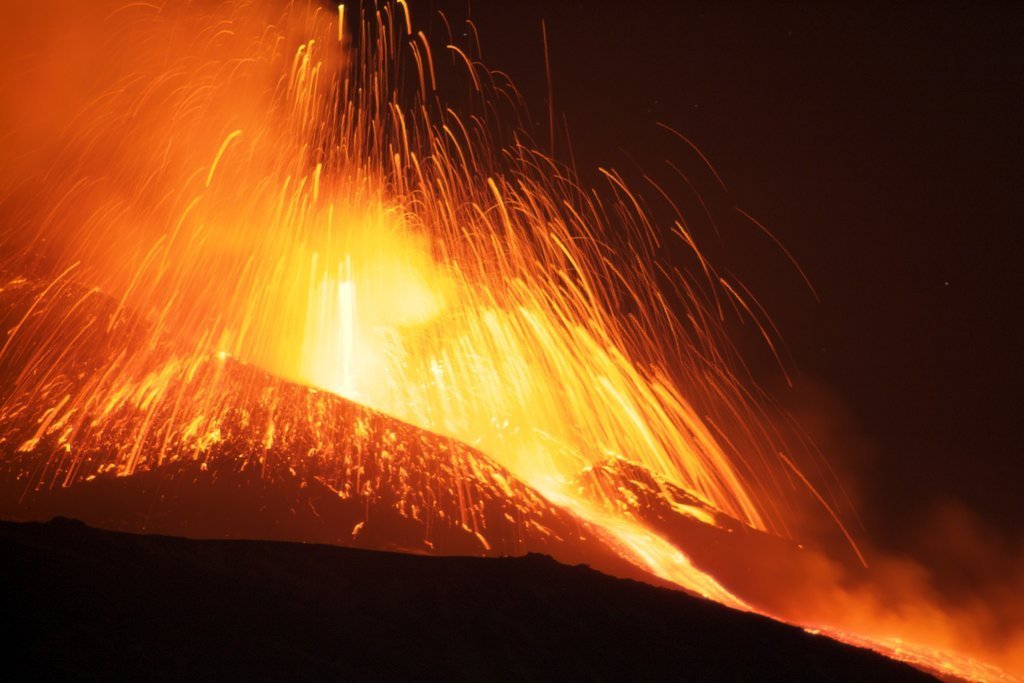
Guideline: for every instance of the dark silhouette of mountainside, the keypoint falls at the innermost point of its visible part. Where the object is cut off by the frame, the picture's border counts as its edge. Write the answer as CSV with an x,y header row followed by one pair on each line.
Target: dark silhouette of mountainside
x,y
80,602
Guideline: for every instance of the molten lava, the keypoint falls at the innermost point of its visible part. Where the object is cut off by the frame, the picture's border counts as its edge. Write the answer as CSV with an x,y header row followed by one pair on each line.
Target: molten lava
x,y
228,205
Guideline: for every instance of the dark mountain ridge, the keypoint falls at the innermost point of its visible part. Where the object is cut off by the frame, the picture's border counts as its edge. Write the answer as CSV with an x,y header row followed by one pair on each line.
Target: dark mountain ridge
x,y
84,603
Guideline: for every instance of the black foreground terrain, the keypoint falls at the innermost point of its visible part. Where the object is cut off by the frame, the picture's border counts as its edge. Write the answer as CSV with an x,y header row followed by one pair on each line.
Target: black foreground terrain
x,y
83,603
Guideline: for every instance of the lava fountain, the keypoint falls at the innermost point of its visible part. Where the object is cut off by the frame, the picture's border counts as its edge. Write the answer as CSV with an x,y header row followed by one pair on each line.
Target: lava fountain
x,y
232,202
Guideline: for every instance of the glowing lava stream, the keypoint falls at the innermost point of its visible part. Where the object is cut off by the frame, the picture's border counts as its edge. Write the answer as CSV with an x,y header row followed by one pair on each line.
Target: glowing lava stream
x,y
648,550
254,191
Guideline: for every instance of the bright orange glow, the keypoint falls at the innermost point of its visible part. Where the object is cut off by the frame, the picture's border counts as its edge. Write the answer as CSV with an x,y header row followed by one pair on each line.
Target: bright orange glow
x,y
244,185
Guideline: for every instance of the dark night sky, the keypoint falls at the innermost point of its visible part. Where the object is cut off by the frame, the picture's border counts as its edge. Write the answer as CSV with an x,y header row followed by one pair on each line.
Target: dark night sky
x,y
882,145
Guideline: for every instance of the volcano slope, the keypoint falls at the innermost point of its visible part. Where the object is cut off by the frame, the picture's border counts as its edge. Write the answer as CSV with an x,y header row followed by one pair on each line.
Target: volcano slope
x,y
124,434
95,604
102,421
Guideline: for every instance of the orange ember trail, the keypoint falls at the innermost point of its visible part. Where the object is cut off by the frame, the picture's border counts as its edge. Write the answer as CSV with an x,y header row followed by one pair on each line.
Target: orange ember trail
x,y
228,203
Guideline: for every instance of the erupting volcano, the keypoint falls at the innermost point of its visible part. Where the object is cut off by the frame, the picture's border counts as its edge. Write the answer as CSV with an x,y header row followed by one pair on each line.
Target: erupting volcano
x,y
275,271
